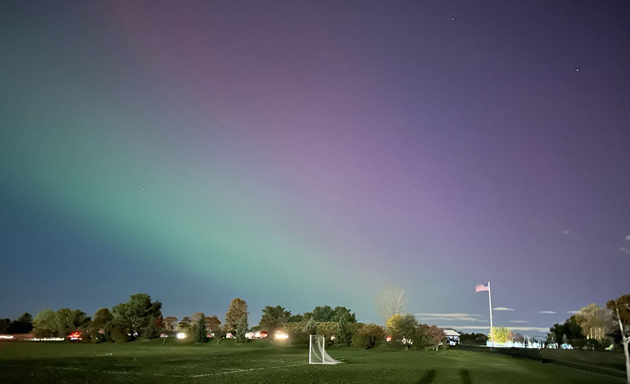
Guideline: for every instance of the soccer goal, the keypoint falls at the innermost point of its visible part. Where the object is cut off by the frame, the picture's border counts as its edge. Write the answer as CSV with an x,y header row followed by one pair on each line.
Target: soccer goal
x,y
317,351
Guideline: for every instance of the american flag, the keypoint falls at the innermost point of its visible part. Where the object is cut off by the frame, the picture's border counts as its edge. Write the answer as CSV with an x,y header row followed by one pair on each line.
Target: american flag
x,y
481,288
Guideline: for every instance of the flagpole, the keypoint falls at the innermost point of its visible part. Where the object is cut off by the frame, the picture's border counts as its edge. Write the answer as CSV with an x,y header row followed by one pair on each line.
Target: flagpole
x,y
491,328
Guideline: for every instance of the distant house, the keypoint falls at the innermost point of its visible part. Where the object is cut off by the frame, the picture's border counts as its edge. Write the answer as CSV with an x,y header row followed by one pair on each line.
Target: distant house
x,y
452,336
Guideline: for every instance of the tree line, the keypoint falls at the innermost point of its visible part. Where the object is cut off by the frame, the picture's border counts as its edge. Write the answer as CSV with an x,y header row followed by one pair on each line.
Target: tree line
x,y
141,316
23,324
592,327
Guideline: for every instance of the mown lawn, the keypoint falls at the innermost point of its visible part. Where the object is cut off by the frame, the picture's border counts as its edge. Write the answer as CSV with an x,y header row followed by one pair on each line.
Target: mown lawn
x,y
260,362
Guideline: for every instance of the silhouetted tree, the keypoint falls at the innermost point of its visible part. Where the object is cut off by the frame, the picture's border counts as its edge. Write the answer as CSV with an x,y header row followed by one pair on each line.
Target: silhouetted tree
x,y
570,328
473,338
23,324
4,324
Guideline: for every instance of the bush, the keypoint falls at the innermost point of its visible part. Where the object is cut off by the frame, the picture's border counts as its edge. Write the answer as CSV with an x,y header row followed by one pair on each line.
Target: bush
x,y
291,328
119,335
327,328
368,336
578,343
310,326
94,337
594,345
300,338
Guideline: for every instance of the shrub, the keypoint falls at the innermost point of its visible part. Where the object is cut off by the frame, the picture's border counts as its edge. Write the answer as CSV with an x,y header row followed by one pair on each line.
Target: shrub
x,y
327,328
94,337
119,335
310,326
300,338
291,328
368,336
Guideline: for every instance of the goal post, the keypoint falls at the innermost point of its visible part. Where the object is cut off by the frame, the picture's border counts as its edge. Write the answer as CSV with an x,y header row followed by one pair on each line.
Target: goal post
x,y
317,351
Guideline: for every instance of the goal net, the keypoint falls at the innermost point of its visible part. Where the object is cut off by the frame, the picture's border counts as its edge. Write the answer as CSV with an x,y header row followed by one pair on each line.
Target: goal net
x,y
317,351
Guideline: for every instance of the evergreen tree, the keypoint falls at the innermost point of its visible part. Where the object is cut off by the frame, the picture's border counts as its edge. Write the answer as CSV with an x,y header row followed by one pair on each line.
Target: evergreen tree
x,y
323,313
273,318
151,331
199,329
133,316
241,330
344,334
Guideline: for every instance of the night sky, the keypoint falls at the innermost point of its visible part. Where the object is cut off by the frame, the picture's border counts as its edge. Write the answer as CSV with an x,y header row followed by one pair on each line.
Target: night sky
x,y
304,153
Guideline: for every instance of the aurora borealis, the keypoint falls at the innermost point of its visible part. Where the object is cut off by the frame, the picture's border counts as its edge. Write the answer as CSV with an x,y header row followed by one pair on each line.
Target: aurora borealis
x,y
307,153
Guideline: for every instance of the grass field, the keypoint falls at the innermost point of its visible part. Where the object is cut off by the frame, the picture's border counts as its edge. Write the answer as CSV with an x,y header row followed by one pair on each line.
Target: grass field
x,y
260,362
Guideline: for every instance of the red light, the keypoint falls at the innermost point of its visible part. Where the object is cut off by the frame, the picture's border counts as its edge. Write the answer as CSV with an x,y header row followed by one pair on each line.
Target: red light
x,y
74,336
